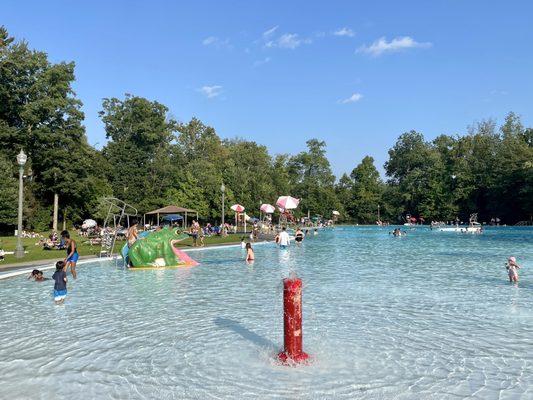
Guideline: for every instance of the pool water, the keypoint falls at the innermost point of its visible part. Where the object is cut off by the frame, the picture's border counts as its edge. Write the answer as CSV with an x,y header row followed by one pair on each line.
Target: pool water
x,y
426,316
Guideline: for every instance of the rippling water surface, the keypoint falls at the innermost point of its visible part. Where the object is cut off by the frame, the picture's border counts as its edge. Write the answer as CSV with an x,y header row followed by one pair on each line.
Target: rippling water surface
x,y
427,316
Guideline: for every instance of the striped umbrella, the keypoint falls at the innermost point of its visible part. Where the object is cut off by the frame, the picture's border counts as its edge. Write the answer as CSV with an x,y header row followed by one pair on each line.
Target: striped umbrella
x,y
287,202
267,208
237,208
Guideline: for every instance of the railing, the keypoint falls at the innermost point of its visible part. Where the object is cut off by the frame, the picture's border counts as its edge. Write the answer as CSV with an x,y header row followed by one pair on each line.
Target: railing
x,y
524,223
117,209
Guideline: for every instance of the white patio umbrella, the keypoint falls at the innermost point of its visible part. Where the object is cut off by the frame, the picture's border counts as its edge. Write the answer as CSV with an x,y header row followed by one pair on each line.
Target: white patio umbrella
x,y
267,208
287,202
237,208
89,223
336,213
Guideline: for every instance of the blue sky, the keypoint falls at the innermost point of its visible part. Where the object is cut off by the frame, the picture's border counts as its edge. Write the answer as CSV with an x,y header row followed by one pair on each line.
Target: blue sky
x,y
353,73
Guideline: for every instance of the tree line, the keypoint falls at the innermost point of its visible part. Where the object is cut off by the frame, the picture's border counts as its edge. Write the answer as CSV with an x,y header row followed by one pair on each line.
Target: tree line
x,y
151,160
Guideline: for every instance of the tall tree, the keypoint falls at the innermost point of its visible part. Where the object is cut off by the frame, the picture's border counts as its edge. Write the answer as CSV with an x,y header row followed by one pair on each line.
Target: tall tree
x,y
8,193
312,179
139,149
367,191
40,113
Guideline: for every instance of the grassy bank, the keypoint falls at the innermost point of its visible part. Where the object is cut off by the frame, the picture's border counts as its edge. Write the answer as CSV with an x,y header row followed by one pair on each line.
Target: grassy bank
x,y
34,253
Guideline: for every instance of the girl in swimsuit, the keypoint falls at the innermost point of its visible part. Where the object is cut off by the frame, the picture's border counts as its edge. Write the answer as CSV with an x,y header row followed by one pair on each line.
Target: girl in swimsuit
x,y
249,252
72,253
512,269
133,234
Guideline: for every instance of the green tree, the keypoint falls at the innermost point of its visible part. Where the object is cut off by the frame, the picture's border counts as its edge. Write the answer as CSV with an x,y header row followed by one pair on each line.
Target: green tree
x,y
367,190
40,113
8,193
139,149
311,177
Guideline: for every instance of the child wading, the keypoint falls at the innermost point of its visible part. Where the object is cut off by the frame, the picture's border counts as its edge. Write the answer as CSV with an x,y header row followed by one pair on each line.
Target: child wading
x,y
512,269
72,253
249,252
60,283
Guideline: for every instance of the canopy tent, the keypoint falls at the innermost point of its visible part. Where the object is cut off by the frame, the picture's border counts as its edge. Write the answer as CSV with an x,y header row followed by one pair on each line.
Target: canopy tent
x,y
172,217
172,210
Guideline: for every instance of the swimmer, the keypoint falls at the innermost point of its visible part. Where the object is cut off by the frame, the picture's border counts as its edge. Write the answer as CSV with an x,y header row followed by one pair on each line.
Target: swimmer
x,y
315,232
243,243
299,236
249,252
512,269
37,276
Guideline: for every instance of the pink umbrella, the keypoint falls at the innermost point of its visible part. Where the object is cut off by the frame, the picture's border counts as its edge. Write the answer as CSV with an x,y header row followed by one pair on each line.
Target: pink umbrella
x,y
287,202
267,208
237,208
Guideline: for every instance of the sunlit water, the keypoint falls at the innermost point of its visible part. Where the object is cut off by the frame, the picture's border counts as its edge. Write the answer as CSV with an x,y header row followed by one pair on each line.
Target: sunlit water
x,y
428,316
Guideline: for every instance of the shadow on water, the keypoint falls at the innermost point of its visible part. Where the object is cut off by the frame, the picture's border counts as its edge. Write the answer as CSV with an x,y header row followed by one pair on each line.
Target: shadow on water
x,y
244,332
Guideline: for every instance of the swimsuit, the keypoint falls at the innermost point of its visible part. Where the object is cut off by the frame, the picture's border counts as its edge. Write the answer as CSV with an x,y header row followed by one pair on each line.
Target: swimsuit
x,y
74,257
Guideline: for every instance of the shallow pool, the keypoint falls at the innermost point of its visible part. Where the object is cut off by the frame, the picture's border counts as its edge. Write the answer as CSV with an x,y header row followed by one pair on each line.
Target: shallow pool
x,y
427,316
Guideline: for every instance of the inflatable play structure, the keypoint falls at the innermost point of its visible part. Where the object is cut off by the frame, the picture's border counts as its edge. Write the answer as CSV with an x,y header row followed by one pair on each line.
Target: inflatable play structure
x,y
157,250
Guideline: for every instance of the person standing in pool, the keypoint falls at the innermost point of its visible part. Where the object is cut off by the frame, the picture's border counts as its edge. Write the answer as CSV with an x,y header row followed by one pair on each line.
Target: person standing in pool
x,y
250,256
60,283
512,269
72,253
299,236
284,239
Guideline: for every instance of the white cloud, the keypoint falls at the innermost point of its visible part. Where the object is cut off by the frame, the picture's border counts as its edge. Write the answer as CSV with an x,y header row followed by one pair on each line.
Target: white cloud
x,y
215,41
270,32
287,41
352,99
399,43
344,32
210,91
258,63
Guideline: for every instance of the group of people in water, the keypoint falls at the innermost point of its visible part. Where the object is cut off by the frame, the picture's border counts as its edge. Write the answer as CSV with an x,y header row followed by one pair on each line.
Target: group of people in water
x,y
282,239
60,275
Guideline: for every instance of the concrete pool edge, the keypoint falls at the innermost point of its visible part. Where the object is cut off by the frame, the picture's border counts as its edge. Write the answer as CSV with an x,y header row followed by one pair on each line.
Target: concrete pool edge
x,y
50,264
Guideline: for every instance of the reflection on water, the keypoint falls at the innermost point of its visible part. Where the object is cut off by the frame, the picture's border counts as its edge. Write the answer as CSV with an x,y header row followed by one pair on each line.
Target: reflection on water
x,y
429,315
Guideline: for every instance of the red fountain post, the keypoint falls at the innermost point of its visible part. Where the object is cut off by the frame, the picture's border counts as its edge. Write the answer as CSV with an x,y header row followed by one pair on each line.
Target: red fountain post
x,y
292,323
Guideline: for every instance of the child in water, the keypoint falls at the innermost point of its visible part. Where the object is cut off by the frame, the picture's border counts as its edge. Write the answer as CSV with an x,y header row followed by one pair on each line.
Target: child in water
x,y
512,269
37,276
60,282
249,252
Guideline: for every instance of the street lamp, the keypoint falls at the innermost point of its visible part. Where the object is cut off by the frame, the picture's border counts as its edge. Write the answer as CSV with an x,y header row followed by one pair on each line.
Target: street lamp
x,y
21,161
223,190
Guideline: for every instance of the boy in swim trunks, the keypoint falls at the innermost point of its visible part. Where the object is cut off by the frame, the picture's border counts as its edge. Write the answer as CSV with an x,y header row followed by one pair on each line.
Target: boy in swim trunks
x,y
60,283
